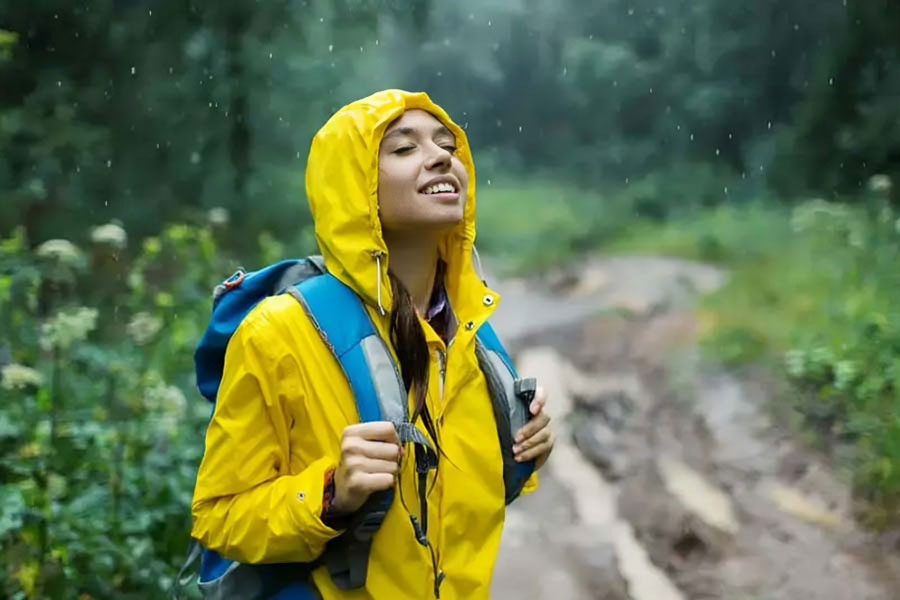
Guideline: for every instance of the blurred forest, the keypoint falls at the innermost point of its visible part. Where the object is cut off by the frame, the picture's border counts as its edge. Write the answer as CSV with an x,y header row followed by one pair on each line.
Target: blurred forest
x,y
150,147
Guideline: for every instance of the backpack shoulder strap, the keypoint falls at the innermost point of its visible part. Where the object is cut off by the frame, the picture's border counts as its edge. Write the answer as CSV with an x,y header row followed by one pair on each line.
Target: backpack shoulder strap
x,y
345,327
510,397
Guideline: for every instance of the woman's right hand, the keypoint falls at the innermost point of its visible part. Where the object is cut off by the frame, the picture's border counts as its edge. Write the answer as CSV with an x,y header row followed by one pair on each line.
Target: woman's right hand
x,y
370,458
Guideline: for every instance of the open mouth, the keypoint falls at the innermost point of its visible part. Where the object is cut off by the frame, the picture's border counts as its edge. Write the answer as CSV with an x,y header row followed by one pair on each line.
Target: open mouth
x,y
440,188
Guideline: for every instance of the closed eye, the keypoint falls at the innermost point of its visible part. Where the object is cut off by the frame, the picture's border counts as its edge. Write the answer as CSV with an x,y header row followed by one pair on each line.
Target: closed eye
x,y
404,149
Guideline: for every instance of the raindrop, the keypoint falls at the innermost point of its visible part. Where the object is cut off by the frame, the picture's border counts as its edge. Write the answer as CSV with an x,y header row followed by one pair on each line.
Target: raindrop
x,y
730,136
831,81
108,163
717,152
360,49
630,12
150,12
56,16
170,70
195,157
726,189
678,127
796,27
615,83
270,55
692,137
330,47
132,70
565,70
440,74
627,180
489,182
59,84
106,203
298,155
651,90
489,23
376,42
520,129
769,125
772,53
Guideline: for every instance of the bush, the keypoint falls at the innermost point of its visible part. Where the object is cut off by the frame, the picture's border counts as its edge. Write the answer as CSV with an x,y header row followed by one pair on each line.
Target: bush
x,y
100,428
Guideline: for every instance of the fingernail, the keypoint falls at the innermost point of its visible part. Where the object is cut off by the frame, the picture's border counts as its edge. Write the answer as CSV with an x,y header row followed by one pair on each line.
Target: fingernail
x,y
516,449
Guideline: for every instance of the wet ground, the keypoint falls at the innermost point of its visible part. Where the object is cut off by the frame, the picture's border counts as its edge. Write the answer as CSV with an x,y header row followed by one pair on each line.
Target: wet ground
x,y
671,478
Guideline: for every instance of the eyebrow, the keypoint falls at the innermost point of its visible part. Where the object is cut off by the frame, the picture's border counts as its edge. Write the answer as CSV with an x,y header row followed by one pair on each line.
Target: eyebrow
x,y
439,130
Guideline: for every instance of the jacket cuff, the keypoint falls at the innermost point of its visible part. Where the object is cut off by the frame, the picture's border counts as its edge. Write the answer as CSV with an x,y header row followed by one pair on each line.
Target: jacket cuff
x,y
309,493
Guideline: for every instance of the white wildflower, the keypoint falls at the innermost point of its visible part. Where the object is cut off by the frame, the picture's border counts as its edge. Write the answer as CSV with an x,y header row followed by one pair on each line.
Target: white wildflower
x,y
15,376
218,216
110,234
144,327
845,372
167,399
62,250
880,184
67,327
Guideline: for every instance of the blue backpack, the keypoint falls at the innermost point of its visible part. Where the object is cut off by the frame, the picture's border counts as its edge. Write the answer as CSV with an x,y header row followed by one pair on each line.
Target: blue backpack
x,y
380,395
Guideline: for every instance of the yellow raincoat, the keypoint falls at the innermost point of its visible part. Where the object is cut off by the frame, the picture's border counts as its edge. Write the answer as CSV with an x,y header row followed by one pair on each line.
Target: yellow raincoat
x,y
284,401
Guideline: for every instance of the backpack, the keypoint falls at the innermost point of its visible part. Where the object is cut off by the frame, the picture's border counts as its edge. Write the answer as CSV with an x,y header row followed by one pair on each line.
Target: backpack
x,y
345,326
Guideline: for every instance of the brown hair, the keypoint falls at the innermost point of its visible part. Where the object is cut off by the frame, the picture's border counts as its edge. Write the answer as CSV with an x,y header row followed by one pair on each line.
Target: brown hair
x,y
412,352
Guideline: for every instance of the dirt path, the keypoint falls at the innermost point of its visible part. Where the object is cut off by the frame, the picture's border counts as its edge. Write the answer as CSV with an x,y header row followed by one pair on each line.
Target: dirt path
x,y
671,479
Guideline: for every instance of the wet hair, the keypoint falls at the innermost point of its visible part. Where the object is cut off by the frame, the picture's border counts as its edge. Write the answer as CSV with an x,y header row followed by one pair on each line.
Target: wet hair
x,y
409,342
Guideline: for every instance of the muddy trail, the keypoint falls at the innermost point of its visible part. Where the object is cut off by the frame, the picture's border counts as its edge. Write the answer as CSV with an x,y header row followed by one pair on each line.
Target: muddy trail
x,y
672,478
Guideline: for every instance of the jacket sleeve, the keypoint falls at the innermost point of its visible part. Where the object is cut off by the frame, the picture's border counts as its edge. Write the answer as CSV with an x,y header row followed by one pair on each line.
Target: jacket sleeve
x,y
247,505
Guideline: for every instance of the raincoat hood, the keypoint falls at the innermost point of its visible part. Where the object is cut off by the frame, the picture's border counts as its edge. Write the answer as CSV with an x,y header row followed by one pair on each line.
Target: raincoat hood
x,y
342,188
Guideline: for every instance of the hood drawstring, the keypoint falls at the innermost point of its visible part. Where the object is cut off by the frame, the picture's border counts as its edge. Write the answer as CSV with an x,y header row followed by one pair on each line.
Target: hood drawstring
x,y
478,268
378,254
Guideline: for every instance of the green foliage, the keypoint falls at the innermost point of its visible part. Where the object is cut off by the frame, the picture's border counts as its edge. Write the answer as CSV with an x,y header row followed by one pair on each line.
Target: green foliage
x,y
533,223
815,285
100,428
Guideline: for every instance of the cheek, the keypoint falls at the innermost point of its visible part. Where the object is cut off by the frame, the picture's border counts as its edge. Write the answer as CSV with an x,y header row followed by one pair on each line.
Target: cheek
x,y
395,191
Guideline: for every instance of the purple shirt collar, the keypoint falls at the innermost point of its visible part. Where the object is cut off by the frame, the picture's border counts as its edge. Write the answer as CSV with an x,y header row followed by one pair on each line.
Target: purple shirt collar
x,y
438,303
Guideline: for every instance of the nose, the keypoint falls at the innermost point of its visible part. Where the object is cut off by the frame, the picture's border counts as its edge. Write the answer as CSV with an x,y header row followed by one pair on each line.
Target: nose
x,y
437,157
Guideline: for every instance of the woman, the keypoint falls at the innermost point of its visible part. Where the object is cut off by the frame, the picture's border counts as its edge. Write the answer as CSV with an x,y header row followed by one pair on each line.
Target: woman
x,y
391,186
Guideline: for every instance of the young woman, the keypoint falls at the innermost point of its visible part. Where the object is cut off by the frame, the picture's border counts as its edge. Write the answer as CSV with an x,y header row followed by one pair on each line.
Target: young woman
x,y
391,186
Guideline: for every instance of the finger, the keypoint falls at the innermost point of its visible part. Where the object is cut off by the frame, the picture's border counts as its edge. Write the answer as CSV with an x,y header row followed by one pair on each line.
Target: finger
x,y
363,464
369,449
536,452
371,482
540,400
383,431
538,438
537,423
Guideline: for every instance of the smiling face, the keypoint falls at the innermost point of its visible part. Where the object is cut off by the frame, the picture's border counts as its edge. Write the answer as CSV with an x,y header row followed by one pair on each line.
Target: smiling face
x,y
421,182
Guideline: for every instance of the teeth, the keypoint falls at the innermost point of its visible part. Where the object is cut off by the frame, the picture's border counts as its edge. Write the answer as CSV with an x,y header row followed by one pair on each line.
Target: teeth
x,y
440,187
